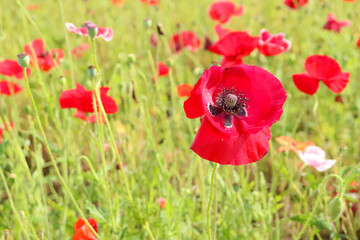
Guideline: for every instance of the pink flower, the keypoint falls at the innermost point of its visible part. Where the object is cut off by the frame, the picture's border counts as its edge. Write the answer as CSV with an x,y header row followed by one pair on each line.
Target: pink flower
x,y
271,45
80,50
334,25
315,157
161,201
105,33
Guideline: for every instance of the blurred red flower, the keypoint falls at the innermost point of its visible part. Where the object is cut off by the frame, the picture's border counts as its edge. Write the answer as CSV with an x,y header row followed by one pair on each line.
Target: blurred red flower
x,y
349,0
184,90
154,40
234,46
118,3
45,59
162,202
105,33
82,99
32,7
321,68
82,231
9,88
237,106
295,4
358,43
162,69
223,10
289,144
185,39
5,127
271,45
151,2
334,25
11,68
80,50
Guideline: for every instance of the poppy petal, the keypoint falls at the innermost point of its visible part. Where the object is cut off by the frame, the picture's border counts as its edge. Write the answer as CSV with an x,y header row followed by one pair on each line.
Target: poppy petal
x,y
213,145
305,83
9,88
11,68
184,90
337,83
322,67
235,44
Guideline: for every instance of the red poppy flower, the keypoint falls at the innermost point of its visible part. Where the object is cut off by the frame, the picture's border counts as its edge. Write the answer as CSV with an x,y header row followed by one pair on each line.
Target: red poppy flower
x,y
105,33
334,25
162,69
45,59
349,0
82,231
185,39
11,68
295,4
358,43
234,46
9,88
80,50
151,2
5,127
184,90
271,45
82,99
162,202
223,10
321,68
237,105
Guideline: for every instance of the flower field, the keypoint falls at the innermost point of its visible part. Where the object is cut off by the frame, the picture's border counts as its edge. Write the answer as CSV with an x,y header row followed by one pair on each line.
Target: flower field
x,y
179,119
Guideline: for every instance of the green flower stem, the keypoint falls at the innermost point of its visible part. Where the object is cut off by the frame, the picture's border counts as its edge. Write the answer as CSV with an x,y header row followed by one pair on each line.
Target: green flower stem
x,y
323,184
52,157
100,131
12,204
90,165
210,198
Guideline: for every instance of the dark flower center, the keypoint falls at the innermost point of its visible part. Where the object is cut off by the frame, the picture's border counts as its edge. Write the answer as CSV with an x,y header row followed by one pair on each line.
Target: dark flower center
x,y
230,102
43,54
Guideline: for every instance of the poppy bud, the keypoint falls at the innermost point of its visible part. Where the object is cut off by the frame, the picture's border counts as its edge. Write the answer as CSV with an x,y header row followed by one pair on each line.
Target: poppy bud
x,y
23,60
147,23
159,29
92,30
336,207
131,58
92,71
169,63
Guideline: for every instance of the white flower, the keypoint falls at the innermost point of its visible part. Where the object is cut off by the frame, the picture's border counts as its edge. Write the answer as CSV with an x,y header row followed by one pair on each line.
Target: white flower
x,y
315,157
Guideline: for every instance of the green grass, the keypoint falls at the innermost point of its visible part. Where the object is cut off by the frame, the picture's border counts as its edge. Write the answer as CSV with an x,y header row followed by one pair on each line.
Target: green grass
x,y
257,201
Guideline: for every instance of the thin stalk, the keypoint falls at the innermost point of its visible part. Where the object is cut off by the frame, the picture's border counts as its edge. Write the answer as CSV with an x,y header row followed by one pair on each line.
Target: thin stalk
x,y
323,184
52,157
12,204
210,198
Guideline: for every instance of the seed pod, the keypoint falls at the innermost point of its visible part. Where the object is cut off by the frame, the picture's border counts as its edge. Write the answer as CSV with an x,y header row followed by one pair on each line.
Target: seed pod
x,y
23,60
336,207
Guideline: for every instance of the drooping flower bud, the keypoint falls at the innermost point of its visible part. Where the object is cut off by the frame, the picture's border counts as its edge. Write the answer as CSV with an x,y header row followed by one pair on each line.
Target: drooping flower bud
x,y
23,60
336,207
159,29
92,71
